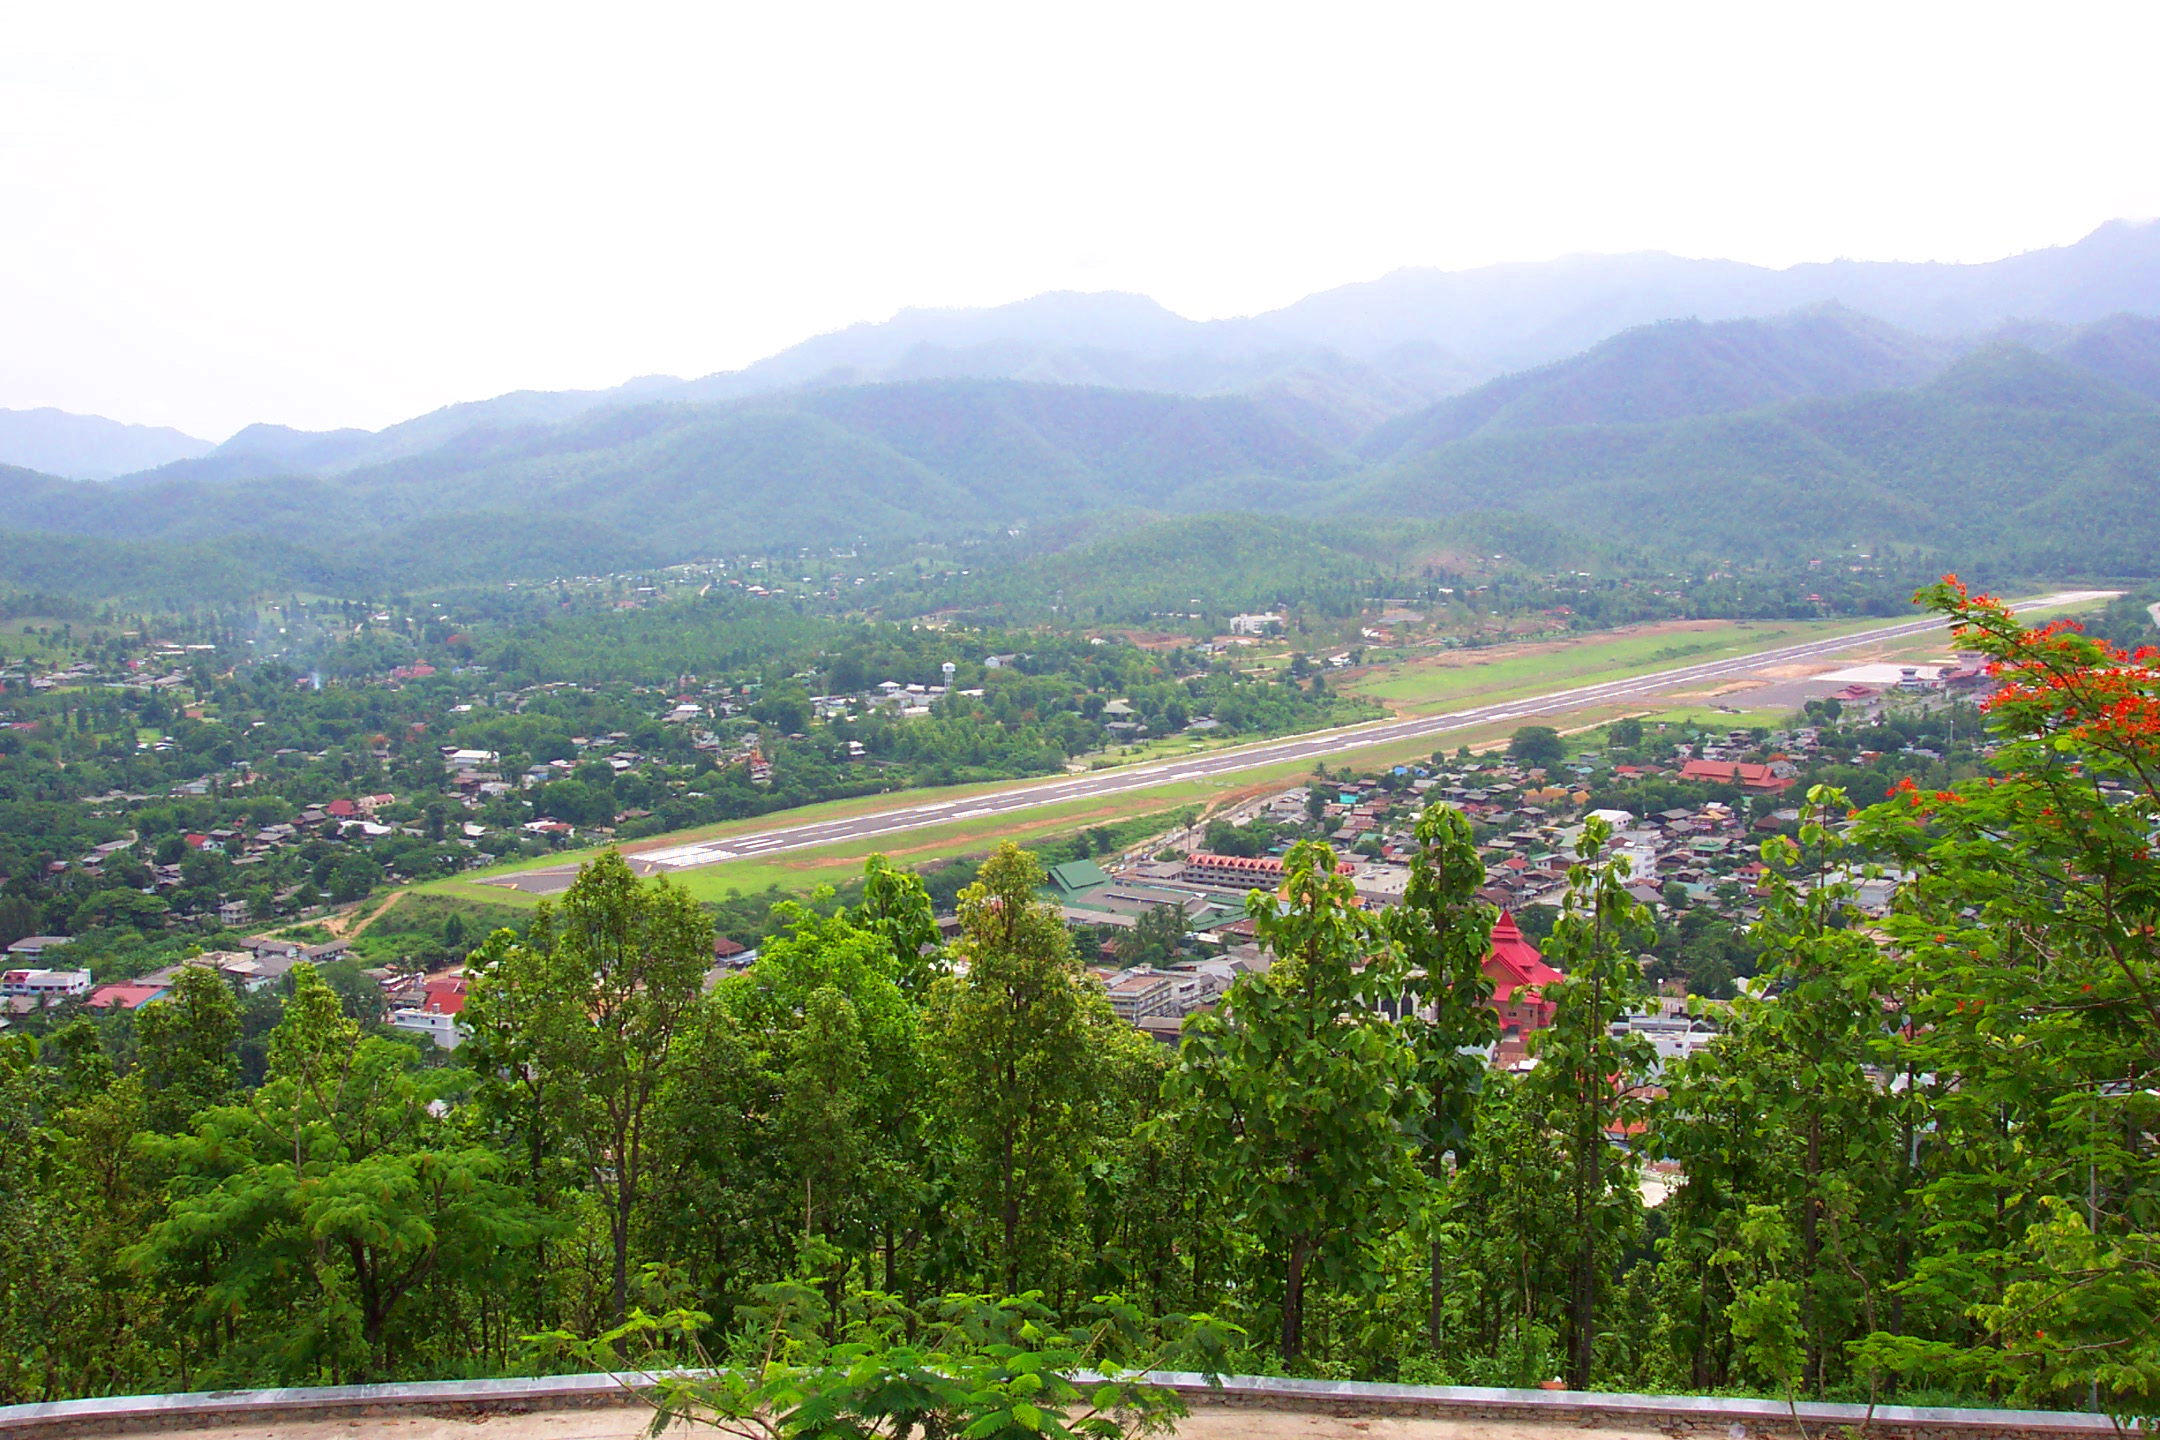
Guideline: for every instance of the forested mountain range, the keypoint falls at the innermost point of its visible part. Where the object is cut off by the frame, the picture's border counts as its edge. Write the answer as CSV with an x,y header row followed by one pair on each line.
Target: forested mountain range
x,y
2036,448
1678,368
2010,456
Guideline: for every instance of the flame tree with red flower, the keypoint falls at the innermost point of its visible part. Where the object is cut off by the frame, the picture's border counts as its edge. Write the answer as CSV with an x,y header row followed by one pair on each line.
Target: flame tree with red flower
x,y
2030,984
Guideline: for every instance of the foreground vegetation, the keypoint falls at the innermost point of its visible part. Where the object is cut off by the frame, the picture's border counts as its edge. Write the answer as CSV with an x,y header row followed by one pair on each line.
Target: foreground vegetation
x,y
1920,1159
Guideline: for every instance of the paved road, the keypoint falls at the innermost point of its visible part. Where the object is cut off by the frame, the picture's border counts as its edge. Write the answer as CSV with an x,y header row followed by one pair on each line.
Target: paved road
x,y
1317,745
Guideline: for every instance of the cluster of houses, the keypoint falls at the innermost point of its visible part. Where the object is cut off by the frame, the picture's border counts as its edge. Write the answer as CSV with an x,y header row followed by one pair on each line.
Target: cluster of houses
x,y
1209,890
427,1005
156,669
1529,823
258,964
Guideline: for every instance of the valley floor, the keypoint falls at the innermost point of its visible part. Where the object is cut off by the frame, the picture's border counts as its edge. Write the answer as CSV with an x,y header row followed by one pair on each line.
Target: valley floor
x,y
1743,673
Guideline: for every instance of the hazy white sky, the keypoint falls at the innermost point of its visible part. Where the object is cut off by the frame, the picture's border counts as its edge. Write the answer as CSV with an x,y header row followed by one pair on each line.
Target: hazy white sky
x,y
349,214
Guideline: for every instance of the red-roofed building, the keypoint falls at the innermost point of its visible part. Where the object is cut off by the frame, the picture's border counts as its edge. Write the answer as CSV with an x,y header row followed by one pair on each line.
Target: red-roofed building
x,y
124,996
1255,871
442,998
342,810
1519,976
1755,779
445,995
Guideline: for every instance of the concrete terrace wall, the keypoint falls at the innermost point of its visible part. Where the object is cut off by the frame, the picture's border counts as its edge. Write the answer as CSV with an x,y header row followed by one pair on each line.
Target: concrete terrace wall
x,y
482,1399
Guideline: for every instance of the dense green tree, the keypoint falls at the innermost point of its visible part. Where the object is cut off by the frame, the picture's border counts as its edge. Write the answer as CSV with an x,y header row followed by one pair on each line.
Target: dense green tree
x,y
1444,933
320,1210
1588,1081
186,1046
2029,1017
1296,1088
1537,746
1782,1120
896,905
820,1110
628,958
1015,1042
1154,938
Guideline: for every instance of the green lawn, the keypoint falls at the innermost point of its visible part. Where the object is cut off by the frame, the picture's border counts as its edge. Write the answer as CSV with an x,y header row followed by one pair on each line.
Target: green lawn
x,y
1709,717
1440,683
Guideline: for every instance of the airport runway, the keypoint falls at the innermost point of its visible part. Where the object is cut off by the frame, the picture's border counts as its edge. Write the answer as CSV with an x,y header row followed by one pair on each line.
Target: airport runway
x,y
1317,745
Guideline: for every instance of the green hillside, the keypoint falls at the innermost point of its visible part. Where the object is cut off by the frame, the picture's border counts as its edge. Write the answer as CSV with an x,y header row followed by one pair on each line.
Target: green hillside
x,y
2008,455
2123,348
1674,370
1135,569
679,481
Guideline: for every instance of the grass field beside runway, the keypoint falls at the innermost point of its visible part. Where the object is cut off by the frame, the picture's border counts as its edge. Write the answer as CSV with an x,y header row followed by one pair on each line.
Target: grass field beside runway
x,y
1409,687
1448,680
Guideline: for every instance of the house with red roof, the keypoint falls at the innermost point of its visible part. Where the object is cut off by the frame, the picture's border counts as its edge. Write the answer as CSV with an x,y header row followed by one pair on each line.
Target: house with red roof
x,y
124,995
342,809
445,995
1755,779
1519,976
436,1016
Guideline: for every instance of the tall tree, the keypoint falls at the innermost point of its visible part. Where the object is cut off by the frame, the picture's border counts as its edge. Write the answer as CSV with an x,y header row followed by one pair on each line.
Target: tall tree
x,y
1014,1041
1784,1110
831,970
1444,933
304,1224
523,1013
187,1047
1588,1080
821,1111
2028,926
897,907
1296,1089
629,958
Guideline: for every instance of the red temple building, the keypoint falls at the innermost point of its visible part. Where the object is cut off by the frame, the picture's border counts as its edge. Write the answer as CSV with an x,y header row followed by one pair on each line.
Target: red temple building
x,y
1519,976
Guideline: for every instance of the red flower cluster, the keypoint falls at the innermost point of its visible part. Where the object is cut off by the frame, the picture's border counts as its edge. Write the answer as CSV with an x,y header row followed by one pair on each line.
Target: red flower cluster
x,y
2054,679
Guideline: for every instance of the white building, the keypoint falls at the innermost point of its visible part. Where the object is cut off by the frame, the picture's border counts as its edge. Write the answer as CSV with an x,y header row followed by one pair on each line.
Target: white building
x,y
1255,624
44,986
440,1028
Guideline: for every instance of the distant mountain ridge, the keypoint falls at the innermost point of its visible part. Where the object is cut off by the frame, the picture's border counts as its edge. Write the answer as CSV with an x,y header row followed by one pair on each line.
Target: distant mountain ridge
x,y
1793,435
1516,316
1337,364
626,486
89,447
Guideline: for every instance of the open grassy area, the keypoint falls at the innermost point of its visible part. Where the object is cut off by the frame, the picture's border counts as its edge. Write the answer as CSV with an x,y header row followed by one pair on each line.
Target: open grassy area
x,y
1412,687
830,864
1709,717
1444,681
